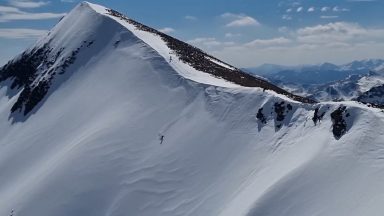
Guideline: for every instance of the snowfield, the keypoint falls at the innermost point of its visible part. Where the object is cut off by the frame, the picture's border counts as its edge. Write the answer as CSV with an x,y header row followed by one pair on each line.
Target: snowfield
x,y
92,147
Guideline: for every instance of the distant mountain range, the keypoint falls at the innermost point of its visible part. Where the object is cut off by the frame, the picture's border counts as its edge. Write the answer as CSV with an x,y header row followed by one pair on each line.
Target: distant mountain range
x,y
346,89
316,74
359,80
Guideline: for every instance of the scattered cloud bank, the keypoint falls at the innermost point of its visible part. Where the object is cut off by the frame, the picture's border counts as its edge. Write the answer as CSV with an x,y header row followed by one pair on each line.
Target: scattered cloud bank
x,y
335,41
296,10
232,35
15,11
27,3
268,42
21,15
21,33
329,17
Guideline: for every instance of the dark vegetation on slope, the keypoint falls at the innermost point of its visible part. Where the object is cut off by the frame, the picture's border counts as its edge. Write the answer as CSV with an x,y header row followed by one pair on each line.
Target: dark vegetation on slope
x,y
201,61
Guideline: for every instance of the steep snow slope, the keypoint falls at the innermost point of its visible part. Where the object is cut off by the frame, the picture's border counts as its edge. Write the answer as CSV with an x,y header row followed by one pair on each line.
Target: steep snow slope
x,y
92,147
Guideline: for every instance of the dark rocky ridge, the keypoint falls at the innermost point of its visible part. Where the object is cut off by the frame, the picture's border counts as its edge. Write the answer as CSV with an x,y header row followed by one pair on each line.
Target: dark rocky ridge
x,y
281,113
260,116
281,110
339,127
318,116
33,72
200,61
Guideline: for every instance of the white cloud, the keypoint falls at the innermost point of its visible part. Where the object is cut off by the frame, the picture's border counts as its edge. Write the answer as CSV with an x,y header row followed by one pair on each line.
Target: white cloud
x,y
325,9
167,30
311,9
295,4
231,15
12,13
18,33
189,17
299,9
289,10
338,32
338,9
6,9
243,21
283,29
29,16
27,3
269,42
205,41
240,20
231,35
329,17
286,17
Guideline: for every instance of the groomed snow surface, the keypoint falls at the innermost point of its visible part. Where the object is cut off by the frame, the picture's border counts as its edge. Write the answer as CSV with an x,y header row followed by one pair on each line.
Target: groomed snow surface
x,y
93,147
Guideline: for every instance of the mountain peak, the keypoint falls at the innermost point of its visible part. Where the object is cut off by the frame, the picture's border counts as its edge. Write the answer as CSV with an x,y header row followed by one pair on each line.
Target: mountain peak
x,y
90,30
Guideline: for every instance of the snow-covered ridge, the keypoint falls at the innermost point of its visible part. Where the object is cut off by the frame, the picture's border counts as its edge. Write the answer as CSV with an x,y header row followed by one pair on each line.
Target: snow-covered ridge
x,y
190,61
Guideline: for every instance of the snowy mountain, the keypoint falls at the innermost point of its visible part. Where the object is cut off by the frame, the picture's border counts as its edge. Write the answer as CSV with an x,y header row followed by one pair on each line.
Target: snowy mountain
x,y
374,92
84,111
316,74
326,82
346,89
374,96
370,64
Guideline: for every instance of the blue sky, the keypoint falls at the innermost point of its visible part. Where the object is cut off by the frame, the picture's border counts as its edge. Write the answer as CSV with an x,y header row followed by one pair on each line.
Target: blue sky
x,y
245,33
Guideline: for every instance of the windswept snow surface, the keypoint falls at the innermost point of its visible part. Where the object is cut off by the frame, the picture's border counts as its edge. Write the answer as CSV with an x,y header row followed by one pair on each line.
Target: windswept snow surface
x,y
93,147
